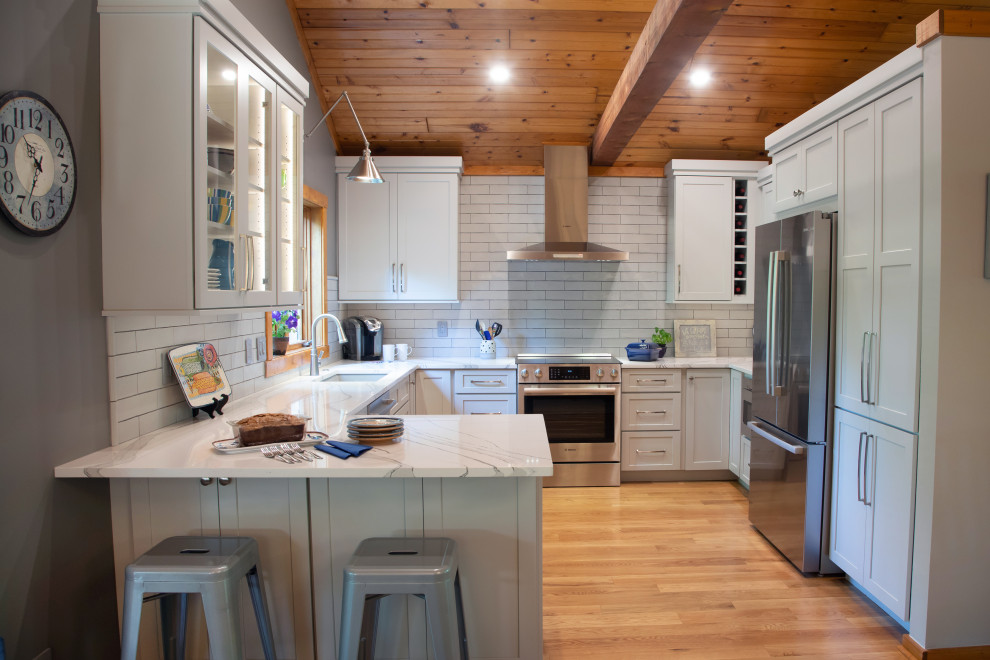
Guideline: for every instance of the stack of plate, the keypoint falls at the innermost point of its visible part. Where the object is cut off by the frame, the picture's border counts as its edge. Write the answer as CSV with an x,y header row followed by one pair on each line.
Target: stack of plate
x,y
213,278
375,429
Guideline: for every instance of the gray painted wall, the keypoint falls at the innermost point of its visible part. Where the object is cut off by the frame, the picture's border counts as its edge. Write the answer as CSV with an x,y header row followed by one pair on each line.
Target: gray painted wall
x,y
56,561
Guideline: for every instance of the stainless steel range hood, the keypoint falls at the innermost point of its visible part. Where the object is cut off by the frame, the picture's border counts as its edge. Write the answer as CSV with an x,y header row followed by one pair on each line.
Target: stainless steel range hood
x,y
566,212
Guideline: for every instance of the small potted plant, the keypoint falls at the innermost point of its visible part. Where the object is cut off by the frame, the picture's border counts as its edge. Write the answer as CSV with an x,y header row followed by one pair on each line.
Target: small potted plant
x,y
661,338
282,324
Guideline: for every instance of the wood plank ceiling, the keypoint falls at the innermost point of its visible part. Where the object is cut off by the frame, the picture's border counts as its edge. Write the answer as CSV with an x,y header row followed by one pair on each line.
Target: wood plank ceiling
x,y
417,73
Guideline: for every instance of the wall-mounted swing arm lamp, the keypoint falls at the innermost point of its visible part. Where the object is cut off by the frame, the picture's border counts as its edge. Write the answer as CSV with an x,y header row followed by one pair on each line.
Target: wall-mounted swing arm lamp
x,y
364,171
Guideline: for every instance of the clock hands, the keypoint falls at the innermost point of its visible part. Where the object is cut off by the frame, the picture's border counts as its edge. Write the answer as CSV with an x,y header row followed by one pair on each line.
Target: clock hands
x,y
31,151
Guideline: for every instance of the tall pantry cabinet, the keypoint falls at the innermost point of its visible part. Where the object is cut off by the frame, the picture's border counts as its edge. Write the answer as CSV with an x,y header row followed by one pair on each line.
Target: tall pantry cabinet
x,y
201,146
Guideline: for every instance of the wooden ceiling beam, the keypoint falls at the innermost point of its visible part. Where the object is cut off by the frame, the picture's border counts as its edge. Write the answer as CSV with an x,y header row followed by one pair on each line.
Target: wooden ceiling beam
x,y
673,34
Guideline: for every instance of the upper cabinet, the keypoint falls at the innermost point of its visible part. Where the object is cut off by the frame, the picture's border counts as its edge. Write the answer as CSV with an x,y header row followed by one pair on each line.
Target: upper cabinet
x,y
712,209
201,142
398,239
806,171
878,262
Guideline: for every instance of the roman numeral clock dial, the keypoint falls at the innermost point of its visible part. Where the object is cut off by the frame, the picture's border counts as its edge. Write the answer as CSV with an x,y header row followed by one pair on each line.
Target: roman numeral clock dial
x,y
37,164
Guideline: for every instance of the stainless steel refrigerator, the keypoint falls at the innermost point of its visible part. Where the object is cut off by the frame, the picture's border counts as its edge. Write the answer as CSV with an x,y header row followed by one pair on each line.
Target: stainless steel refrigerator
x,y
790,430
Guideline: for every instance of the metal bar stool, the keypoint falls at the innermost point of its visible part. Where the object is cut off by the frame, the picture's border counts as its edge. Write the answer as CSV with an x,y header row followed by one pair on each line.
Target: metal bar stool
x,y
424,567
208,565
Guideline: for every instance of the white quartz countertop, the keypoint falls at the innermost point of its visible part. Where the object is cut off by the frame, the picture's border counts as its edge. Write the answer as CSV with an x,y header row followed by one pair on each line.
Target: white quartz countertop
x,y
443,446
741,364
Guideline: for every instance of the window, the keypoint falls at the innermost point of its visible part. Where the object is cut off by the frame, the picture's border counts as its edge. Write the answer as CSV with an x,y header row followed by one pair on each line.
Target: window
x,y
314,300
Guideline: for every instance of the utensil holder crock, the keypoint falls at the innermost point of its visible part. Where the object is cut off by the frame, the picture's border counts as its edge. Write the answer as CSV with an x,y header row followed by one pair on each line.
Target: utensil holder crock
x,y
488,349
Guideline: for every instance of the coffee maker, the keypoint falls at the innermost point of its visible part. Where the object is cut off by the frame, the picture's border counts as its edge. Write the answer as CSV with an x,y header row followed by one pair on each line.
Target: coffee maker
x,y
364,338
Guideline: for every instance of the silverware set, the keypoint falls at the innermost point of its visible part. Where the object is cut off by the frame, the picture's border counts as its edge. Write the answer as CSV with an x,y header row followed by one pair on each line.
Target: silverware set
x,y
289,452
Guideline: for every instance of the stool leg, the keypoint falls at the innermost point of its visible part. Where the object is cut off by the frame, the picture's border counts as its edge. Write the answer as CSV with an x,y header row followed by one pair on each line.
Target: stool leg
x,y
223,624
441,612
261,612
461,628
130,625
173,613
351,616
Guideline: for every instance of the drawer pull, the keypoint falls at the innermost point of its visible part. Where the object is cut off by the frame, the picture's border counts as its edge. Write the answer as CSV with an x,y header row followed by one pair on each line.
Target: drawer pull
x,y
651,412
651,451
651,380
488,383
491,413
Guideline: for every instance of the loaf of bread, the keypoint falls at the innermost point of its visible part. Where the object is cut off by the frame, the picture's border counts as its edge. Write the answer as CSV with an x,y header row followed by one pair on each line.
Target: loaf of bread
x,y
267,428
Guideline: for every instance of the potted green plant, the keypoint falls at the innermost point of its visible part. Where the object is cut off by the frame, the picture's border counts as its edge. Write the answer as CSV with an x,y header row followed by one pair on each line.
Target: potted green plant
x,y
661,338
282,324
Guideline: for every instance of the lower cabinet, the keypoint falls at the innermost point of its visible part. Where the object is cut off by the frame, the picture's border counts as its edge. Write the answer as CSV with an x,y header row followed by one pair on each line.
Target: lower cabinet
x,y
273,511
706,425
466,392
500,572
873,493
664,428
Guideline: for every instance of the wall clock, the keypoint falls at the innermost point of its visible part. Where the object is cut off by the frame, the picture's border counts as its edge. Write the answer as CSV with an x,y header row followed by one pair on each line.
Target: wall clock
x,y
37,164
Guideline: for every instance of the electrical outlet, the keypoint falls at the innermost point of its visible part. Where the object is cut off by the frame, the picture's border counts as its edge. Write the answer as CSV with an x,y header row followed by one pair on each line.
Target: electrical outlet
x,y
250,352
262,348
441,328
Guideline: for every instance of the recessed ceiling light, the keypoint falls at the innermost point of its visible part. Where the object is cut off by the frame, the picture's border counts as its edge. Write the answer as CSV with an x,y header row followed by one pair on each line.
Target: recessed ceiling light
x,y
700,77
498,73
229,74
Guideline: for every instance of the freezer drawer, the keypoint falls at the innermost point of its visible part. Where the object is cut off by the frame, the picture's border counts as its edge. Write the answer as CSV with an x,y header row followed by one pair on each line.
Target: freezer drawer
x,y
786,492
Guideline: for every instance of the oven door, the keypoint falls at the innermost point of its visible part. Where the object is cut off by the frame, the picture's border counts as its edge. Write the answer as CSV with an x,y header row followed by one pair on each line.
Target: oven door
x,y
582,421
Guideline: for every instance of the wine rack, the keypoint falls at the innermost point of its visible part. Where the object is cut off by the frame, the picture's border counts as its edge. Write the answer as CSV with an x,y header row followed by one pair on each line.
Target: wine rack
x,y
740,235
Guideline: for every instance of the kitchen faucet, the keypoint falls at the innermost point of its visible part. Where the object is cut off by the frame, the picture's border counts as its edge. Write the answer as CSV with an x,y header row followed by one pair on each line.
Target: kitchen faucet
x,y
314,357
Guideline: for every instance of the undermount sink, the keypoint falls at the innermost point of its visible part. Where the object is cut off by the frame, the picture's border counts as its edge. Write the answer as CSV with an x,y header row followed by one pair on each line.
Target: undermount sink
x,y
354,378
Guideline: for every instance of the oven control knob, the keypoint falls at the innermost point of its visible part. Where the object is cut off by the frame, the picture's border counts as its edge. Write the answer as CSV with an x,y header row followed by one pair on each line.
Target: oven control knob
x,y
524,373
538,373
600,373
614,373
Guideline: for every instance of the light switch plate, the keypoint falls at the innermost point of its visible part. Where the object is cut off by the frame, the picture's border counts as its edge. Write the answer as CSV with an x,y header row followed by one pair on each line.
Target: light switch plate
x,y
250,353
262,348
441,328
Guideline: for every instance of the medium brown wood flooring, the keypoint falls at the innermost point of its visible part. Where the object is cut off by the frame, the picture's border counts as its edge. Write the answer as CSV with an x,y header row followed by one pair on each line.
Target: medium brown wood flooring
x,y
674,570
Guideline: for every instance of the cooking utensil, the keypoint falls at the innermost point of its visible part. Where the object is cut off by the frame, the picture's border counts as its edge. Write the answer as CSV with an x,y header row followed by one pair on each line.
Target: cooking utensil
x,y
477,326
496,329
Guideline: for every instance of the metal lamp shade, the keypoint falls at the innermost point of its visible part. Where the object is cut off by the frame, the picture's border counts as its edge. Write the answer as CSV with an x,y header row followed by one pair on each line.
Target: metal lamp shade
x,y
365,171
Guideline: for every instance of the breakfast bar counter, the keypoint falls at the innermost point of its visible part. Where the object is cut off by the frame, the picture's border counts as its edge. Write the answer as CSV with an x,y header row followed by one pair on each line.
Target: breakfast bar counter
x,y
477,480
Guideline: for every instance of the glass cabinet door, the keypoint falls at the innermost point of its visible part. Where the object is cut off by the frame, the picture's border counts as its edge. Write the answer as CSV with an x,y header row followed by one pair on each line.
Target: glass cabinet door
x,y
291,244
234,173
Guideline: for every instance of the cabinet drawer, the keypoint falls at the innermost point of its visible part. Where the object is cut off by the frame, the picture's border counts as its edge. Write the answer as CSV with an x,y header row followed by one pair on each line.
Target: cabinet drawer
x,y
645,450
651,380
474,381
484,404
651,412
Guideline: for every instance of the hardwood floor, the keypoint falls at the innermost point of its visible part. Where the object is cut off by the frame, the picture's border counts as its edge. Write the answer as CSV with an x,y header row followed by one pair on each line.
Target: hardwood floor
x,y
664,570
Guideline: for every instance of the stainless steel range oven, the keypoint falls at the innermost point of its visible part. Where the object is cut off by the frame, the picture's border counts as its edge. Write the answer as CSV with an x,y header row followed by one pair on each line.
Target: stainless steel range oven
x,y
578,396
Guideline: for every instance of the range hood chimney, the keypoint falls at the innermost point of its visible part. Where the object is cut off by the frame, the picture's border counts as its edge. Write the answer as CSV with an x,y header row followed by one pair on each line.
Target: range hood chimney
x,y
566,212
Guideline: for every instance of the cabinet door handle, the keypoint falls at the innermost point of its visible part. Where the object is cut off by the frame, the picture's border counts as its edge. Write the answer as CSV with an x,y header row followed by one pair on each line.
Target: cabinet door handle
x,y
488,383
866,465
393,278
678,278
798,193
206,481
250,242
870,394
491,413
245,262
862,368
402,278
224,481
651,380
651,451
859,469
651,412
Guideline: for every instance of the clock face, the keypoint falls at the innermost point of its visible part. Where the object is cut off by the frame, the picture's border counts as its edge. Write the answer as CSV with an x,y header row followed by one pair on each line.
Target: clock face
x,y
37,164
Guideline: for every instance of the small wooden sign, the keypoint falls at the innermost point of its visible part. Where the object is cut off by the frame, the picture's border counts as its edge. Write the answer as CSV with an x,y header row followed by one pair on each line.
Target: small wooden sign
x,y
694,338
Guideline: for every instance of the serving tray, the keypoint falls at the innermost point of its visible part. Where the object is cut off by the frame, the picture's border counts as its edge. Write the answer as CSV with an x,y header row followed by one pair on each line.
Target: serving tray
x,y
234,446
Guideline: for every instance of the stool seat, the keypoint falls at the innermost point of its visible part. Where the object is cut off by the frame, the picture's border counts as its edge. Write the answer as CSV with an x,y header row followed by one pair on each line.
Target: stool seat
x,y
211,566
425,567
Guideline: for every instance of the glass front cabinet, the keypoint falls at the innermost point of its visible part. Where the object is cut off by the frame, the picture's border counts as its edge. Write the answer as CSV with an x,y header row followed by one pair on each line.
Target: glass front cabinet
x,y
226,224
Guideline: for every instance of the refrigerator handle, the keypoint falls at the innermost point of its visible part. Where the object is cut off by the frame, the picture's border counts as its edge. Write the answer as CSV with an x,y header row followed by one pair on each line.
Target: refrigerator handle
x,y
859,469
771,320
783,444
784,314
869,371
866,463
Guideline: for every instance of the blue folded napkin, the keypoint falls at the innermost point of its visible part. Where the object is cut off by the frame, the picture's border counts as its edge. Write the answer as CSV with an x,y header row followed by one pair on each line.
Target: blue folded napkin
x,y
342,449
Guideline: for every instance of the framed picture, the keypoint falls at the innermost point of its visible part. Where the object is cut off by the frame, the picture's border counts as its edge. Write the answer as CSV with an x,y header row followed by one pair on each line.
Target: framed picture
x,y
694,338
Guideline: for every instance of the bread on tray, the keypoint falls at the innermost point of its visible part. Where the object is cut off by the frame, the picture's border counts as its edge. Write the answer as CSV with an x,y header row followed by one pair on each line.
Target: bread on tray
x,y
268,428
